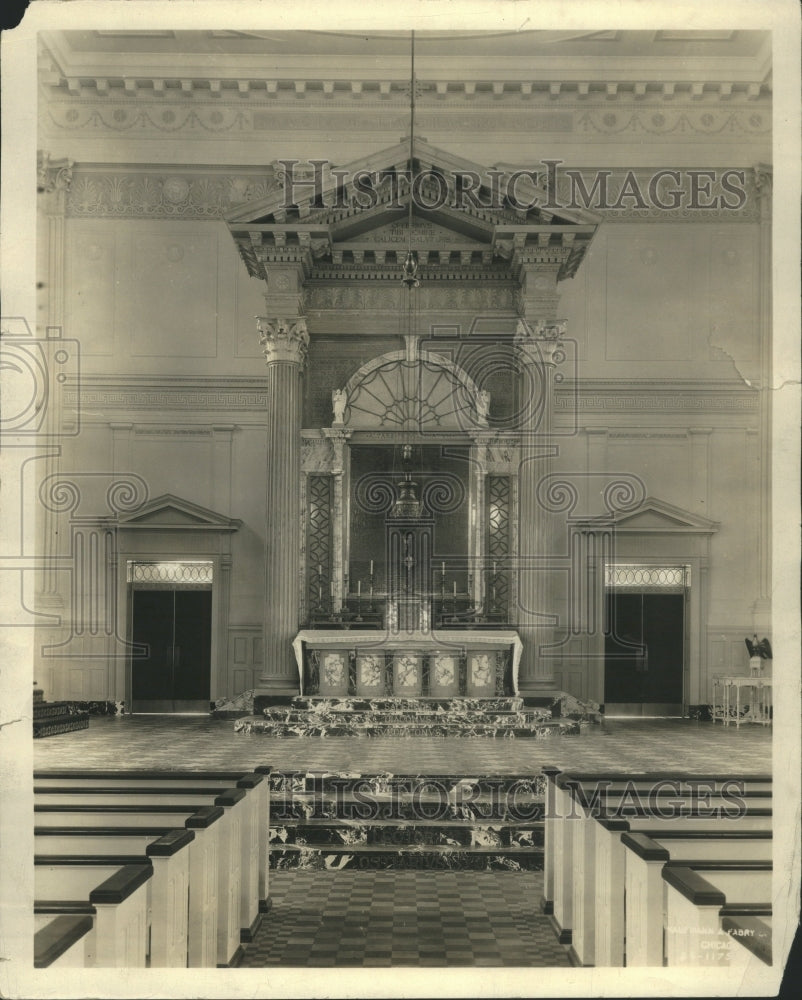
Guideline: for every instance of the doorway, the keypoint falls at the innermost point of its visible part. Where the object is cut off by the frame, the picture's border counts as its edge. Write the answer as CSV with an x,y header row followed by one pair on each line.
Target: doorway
x,y
173,622
644,653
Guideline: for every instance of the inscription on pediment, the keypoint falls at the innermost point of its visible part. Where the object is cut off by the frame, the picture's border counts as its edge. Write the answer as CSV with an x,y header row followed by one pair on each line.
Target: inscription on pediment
x,y
425,235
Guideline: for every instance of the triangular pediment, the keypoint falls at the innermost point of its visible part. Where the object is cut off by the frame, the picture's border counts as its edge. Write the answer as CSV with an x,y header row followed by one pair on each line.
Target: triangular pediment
x,y
353,216
174,513
658,516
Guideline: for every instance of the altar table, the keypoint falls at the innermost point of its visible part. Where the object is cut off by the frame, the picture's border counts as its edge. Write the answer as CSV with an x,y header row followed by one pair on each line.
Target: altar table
x,y
444,649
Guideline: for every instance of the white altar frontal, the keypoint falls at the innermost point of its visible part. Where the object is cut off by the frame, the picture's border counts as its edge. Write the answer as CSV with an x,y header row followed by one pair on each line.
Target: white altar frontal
x,y
443,663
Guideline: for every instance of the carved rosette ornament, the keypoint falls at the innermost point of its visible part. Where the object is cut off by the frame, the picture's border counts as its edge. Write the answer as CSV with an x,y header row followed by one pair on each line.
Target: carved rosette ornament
x,y
284,340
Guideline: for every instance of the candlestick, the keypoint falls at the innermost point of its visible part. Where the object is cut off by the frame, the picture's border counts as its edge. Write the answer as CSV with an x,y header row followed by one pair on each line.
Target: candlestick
x,y
371,567
455,588
319,569
331,588
442,569
359,588
494,567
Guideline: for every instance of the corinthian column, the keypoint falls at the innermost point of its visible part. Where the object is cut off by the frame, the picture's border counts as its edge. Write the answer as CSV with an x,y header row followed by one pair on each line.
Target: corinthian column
x,y
537,345
284,343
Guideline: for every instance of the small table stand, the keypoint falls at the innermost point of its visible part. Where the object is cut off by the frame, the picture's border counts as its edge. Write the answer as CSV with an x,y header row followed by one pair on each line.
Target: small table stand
x,y
727,699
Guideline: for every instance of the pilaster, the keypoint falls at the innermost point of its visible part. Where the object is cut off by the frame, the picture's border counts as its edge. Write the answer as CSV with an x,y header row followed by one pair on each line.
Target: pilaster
x,y
54,178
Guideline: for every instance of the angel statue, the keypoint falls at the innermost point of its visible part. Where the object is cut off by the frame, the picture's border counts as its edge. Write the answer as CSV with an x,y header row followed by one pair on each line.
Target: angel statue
x,y
338,402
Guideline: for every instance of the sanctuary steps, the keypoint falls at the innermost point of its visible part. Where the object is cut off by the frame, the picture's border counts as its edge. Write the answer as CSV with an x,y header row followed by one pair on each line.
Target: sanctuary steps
x,y
406,821
506,717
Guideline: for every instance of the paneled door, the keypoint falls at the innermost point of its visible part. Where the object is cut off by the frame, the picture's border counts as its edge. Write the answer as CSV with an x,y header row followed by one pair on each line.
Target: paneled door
x,y
175,627
643,653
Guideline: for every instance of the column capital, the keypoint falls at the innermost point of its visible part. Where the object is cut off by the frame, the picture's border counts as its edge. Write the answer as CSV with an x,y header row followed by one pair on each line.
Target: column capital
x,y
283,339
53,180
538,341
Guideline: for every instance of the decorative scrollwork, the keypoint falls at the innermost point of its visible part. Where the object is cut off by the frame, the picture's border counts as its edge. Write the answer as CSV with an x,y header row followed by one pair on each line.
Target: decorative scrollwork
x,y
126,495
375,493
59,495
443,494
624,495
557,495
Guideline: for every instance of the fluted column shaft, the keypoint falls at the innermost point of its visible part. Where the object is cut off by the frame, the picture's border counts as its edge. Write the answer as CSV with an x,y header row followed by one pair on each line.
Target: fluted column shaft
x,y
285,344
536,348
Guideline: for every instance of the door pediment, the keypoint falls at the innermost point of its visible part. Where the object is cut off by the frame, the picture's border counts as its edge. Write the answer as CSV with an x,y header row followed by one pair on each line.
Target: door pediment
x,y
657,516
169,512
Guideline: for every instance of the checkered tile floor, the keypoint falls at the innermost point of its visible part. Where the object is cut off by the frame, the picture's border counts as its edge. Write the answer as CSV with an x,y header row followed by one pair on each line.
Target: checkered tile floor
x,y
136,741
373,919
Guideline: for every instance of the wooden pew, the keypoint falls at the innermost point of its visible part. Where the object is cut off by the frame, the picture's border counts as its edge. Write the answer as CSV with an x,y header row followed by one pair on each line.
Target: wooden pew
x,y
116,895
62,940
255,783
579,868
611,874
697,901
243,830
572,854
647,854
560,803
168,890
213,919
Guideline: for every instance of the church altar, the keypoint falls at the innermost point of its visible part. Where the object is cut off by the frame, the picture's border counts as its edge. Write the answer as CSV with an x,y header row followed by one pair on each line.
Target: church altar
x,y
438,663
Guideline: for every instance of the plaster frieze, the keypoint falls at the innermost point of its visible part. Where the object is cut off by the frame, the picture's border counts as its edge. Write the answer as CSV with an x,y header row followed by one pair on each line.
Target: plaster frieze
x,y
210,121
160,192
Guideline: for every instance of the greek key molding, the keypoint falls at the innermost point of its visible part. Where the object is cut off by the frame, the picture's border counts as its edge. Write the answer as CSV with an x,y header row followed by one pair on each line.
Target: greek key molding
x,y
165,396
680,400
